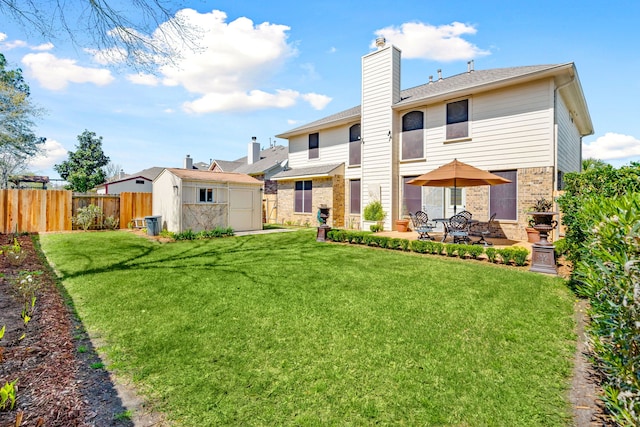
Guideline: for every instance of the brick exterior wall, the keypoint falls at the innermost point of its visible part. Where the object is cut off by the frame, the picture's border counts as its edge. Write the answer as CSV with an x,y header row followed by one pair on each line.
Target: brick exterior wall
x,y
533,183
325,191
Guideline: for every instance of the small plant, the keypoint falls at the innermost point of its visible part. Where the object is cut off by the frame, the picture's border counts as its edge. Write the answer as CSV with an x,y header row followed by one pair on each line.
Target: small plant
x,y
519,256
27,311
82,349
124,415
542,205
26,284
475,251
492,254
374,211
507,255
87,216
14,253
463,250
451,248
97,365
8,395
376,227
2,335
111,222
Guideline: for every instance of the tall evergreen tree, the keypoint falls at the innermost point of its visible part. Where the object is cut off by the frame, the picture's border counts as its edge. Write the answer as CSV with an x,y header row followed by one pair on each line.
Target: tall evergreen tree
x,y
84,169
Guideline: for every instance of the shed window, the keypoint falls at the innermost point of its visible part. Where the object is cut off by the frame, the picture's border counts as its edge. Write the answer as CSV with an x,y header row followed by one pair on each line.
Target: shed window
x,y
210,195
314,144
355,145
458,119
413,135
303,198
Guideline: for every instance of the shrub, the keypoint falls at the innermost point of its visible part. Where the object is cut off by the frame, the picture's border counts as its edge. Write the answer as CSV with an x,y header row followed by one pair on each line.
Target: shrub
x,y
404,244
111,222
376,227
87,216
492,254
608,273
506,254
186,235
560,247
14,253
374,211
419,246
463,250
519,256
451,248
475,251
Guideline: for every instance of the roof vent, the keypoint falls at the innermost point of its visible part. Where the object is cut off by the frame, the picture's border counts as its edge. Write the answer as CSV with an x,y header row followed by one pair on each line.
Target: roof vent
x,y
470,66
430,80
439,74
380,42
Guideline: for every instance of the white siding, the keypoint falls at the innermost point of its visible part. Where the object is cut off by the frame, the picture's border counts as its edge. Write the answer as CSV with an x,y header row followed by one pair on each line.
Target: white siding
x,y
128,186
569,140
380,89
166,200
509,129
245,208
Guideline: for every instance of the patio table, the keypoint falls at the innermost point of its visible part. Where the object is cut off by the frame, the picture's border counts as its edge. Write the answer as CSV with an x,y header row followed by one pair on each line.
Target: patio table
x,y
445,223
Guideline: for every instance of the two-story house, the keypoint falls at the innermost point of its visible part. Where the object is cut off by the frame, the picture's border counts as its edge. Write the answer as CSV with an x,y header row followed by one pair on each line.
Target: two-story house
x,y
523,123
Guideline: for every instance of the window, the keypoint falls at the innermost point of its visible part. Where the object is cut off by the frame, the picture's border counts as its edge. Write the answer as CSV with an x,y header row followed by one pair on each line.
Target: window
x,y
503,198
303,197
206,195
355,145
560,180
139,181
411,196
413,135
458,119
354,196
314,143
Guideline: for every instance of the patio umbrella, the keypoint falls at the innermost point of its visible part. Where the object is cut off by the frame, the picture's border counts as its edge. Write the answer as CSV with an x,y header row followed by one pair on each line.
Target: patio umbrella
x,y
457,174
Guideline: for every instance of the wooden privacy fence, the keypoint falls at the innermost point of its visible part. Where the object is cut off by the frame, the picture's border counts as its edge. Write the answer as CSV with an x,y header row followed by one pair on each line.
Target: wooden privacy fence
x,y
52,210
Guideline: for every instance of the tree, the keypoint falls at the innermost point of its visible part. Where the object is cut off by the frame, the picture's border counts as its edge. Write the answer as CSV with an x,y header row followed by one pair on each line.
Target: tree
x,y
18,142
591,163
85,168
139,36
112,171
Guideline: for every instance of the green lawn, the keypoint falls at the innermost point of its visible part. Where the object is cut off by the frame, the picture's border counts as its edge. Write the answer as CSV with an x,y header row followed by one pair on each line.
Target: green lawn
x,y
278,329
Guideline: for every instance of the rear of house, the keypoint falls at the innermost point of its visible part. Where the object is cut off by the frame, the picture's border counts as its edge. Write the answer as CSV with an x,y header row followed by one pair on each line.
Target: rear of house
x,y
523,123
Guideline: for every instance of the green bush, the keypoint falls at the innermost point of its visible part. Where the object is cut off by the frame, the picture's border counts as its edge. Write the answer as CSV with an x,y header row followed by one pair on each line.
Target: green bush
x,y
451,248
376,227
519,256
606,182
492,254
374,211
419,246
475,251
86,216
608,273
463,250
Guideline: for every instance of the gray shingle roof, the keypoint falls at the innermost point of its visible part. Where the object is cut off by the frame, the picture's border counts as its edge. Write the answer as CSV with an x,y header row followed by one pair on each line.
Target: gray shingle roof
x,y
464,81
320,170
227,165
269,158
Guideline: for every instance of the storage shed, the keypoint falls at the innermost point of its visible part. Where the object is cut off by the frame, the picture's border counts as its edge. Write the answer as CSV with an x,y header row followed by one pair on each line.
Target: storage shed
x,y
203,200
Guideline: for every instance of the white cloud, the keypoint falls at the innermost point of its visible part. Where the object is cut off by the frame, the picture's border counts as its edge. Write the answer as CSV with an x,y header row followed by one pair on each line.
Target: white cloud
x,y
441,43
53,153
241,101
333,49
44,46
612,146
55,73
108,56
231,65
3,36
14,44
143,79
317,101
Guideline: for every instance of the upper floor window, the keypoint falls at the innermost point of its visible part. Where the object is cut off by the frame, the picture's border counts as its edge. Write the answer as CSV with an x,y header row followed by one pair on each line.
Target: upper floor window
x,y
303,197
458,119
355,145
413,135
314,143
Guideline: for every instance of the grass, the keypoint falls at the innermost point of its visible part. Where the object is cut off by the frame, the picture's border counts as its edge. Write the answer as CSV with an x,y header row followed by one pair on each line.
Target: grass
x,y
278,329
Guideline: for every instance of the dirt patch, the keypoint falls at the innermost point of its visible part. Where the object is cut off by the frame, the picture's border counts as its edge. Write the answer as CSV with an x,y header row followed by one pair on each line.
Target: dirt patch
x,y
61,383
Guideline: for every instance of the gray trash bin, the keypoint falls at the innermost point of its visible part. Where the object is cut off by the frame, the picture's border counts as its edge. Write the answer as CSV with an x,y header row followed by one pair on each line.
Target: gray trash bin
x,y
153,224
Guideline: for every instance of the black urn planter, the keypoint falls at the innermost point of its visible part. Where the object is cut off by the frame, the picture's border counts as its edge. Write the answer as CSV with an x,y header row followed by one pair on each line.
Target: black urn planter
x,y
543,258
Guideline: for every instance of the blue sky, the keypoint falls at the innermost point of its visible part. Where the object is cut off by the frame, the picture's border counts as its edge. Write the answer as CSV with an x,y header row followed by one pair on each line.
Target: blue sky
x,y
263,68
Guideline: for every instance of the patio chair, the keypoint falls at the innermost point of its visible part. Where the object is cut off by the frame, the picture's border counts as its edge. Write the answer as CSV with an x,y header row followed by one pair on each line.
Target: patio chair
x,y
458,228
466,214
422,225
482,229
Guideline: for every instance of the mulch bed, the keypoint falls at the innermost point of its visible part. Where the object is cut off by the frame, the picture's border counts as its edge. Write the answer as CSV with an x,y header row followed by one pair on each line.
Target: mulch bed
x,y
56,384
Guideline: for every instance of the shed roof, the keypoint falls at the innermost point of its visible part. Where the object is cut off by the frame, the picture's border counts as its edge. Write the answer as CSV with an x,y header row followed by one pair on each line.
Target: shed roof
x,y
227,177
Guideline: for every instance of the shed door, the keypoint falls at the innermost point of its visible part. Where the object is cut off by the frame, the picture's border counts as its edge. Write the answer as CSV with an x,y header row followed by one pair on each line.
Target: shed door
x,y
244,209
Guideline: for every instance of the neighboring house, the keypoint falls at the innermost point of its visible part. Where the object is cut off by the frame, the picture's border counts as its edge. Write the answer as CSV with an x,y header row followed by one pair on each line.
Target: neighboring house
x,y
189,199
139,182
262,165
523,123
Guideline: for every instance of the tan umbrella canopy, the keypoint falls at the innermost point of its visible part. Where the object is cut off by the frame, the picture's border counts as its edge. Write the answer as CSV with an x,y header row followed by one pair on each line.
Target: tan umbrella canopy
x,y
457,174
